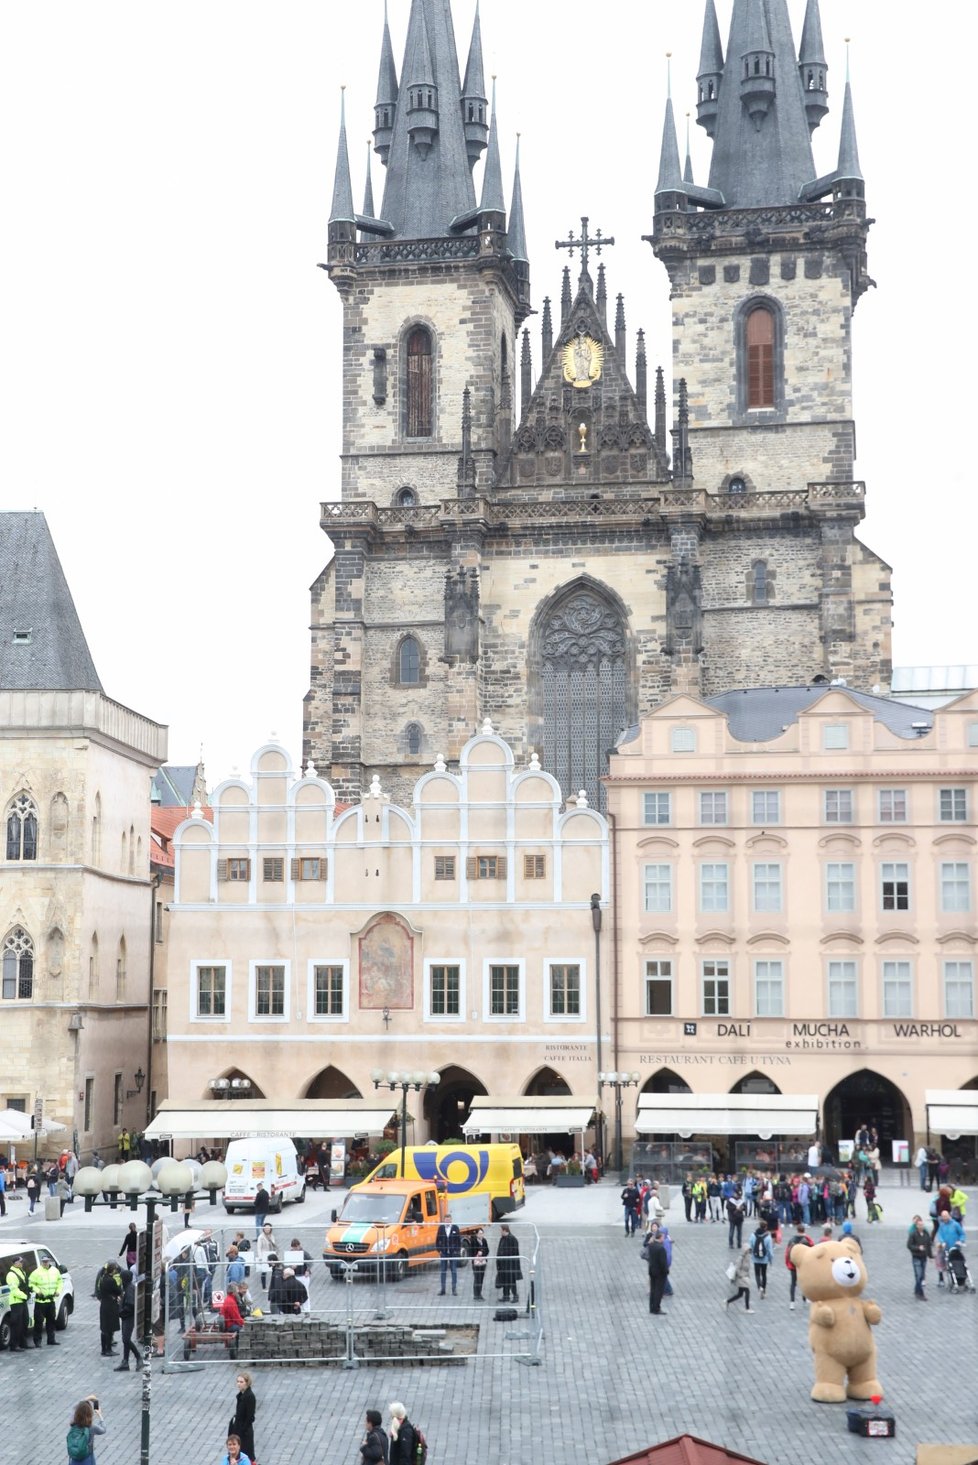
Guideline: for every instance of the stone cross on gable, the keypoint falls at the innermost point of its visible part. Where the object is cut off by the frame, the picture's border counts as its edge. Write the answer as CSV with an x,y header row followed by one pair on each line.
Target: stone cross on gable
x,y
584,244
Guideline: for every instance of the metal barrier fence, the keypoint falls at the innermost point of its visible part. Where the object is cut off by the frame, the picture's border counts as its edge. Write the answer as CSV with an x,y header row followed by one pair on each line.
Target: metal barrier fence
x,y
359,1309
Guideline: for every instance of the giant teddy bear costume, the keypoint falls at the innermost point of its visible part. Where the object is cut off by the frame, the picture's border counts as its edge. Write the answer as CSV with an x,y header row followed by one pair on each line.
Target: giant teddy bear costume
x,y
832,1276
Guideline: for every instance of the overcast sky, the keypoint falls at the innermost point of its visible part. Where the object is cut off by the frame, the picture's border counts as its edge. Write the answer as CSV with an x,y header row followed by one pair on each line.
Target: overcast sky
x,y
169,352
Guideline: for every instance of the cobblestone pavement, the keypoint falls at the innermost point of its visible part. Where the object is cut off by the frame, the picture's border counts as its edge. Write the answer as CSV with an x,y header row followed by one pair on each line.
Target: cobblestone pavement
x,y
613,1379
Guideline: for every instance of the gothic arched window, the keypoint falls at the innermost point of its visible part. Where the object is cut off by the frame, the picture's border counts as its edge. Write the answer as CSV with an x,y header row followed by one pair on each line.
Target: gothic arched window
x,y
18,966
760,584
412,739
409,662
581,688
419,415
22,829
405,498
759,333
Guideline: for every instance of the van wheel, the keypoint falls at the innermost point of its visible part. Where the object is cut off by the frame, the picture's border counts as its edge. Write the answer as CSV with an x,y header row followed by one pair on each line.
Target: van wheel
x,y
64,1313
302,1196
398,1269
230,1210
5,1333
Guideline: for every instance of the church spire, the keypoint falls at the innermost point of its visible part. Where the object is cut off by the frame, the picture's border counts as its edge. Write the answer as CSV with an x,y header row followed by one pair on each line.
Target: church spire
x,y
669,190
516,237
688,168
812,67
849,178
386,95
492,200
546,331
474,102
710,74
342,210
368,191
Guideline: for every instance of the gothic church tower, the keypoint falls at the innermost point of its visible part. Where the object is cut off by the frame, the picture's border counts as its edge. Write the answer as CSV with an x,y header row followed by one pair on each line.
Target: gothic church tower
x,y
552,569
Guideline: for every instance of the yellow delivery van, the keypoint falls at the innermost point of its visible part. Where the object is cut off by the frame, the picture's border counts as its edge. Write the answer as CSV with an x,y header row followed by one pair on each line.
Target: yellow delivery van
x,y
493,1170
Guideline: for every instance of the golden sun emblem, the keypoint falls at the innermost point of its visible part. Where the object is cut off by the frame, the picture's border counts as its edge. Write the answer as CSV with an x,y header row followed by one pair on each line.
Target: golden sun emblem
x,y
582,360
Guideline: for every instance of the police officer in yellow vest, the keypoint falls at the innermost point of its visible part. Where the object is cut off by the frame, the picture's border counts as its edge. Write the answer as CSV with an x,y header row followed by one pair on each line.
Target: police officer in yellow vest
x,y
16,1280
45,1282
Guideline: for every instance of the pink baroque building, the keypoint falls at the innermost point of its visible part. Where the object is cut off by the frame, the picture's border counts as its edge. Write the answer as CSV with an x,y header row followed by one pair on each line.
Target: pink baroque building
x,y
794,886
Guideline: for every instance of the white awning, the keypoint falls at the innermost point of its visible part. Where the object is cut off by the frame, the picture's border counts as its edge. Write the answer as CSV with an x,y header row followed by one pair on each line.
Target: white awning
x,y
765,1115
952,1111
309,1119
555,1114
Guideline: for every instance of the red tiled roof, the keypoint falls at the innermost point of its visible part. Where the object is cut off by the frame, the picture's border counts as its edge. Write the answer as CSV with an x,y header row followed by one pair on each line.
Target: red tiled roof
x,y
686,1449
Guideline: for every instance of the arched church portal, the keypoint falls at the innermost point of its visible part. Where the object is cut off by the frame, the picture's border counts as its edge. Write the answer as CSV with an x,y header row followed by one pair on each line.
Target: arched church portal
x,y
866,1097
581,685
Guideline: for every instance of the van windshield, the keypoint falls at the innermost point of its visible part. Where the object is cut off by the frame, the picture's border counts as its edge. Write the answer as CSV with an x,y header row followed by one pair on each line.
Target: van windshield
x,y
382,1210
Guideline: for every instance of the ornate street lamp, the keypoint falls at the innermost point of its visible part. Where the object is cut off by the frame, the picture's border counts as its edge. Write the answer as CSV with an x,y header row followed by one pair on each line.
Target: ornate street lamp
x,y
618,1081
395,1081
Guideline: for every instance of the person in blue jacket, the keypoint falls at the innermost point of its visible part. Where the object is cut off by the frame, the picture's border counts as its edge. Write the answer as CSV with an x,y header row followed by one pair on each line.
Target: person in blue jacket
x,y
949,1231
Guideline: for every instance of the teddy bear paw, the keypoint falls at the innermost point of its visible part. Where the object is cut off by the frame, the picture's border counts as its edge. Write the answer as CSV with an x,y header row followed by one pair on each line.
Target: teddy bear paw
x,y
824,1393
865,1390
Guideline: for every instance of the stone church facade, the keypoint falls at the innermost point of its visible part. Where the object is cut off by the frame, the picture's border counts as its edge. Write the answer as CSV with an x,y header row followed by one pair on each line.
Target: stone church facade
x,y
565,565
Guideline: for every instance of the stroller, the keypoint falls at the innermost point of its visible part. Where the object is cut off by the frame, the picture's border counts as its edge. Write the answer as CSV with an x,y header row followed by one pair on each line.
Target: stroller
x,y
958,1276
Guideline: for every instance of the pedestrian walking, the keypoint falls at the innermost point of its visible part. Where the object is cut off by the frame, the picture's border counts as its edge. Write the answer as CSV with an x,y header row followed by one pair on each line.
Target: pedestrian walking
x,y
127,1321
631,1202
242,1421
373,1447
266,1247
479,1250
33,1190
402,1436
261,1209
921,1249
130,1245
448,1242
800,1237
16,1281
508,1269
658,1265
86,1423
45,1282
735,1220
738,1275
687,1194
109,1298
762,1255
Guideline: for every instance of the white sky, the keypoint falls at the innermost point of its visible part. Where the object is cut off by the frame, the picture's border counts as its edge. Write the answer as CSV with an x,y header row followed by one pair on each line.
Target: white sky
x,y
169,352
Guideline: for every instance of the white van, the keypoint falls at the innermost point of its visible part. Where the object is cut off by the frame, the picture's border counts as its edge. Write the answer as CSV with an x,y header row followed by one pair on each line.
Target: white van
x,y
32,1252
269,1160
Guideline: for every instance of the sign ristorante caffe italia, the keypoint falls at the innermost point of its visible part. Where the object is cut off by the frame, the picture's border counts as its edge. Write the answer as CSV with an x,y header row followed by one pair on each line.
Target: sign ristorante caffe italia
x,y
709,1040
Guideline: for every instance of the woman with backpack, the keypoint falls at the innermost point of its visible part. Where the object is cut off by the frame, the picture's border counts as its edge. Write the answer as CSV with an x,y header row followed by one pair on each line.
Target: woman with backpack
x,y
86,1422
403,1438
762,1255
738,1276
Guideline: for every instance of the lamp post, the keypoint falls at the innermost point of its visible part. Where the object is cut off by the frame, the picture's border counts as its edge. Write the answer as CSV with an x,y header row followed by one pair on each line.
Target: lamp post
x,y
596,924
231,1088
138,1078
130,1184
618,1081
403,1081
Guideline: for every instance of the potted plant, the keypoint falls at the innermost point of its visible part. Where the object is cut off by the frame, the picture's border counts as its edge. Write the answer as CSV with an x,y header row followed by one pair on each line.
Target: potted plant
x,y
571,1175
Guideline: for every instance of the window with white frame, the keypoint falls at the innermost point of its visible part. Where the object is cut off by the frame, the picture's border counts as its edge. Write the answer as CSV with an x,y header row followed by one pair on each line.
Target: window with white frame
x,y
269,995
897,989
953,805
715,887
767,886
329,987
713,806
658,987
682,740
504,990
893,805
955,885
445,997
837,805
212,990
959,989
658,889
716,988
840,886
895,886
835,737
565,989
765,806
769,987
657,806
843,989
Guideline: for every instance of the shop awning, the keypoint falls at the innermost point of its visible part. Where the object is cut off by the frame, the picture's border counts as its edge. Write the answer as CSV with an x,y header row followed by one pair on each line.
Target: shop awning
x,y
765,1115
952,1111
306,1119
526,1115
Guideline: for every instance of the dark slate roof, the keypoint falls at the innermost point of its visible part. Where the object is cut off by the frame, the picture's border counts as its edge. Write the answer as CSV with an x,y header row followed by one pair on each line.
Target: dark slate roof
x,y
760,713
173,786
42,644
765,166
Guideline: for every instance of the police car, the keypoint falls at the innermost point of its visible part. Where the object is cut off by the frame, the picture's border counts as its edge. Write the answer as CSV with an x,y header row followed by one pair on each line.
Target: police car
x,y
32,1254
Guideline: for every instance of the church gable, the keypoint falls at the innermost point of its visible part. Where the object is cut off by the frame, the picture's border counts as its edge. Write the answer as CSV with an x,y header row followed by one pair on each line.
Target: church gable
x,y
584,425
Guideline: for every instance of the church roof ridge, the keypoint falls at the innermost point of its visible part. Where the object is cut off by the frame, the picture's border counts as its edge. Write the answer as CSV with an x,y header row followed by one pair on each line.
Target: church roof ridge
x,y
42,644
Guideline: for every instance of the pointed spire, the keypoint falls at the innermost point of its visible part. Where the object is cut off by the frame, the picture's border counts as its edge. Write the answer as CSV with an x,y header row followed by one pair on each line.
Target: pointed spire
x,y
342,210
492,200
811,66
669,192
710,74
601,298
546,331
641,379
386,95
849,171
526,374
466,462
757,84
565,295
419,82
474,102
688,169
516,237
368,192
660,410
620,330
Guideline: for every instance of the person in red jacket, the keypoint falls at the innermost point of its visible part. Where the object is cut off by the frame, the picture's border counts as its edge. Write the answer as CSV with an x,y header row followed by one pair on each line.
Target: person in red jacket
x,y
231,1312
